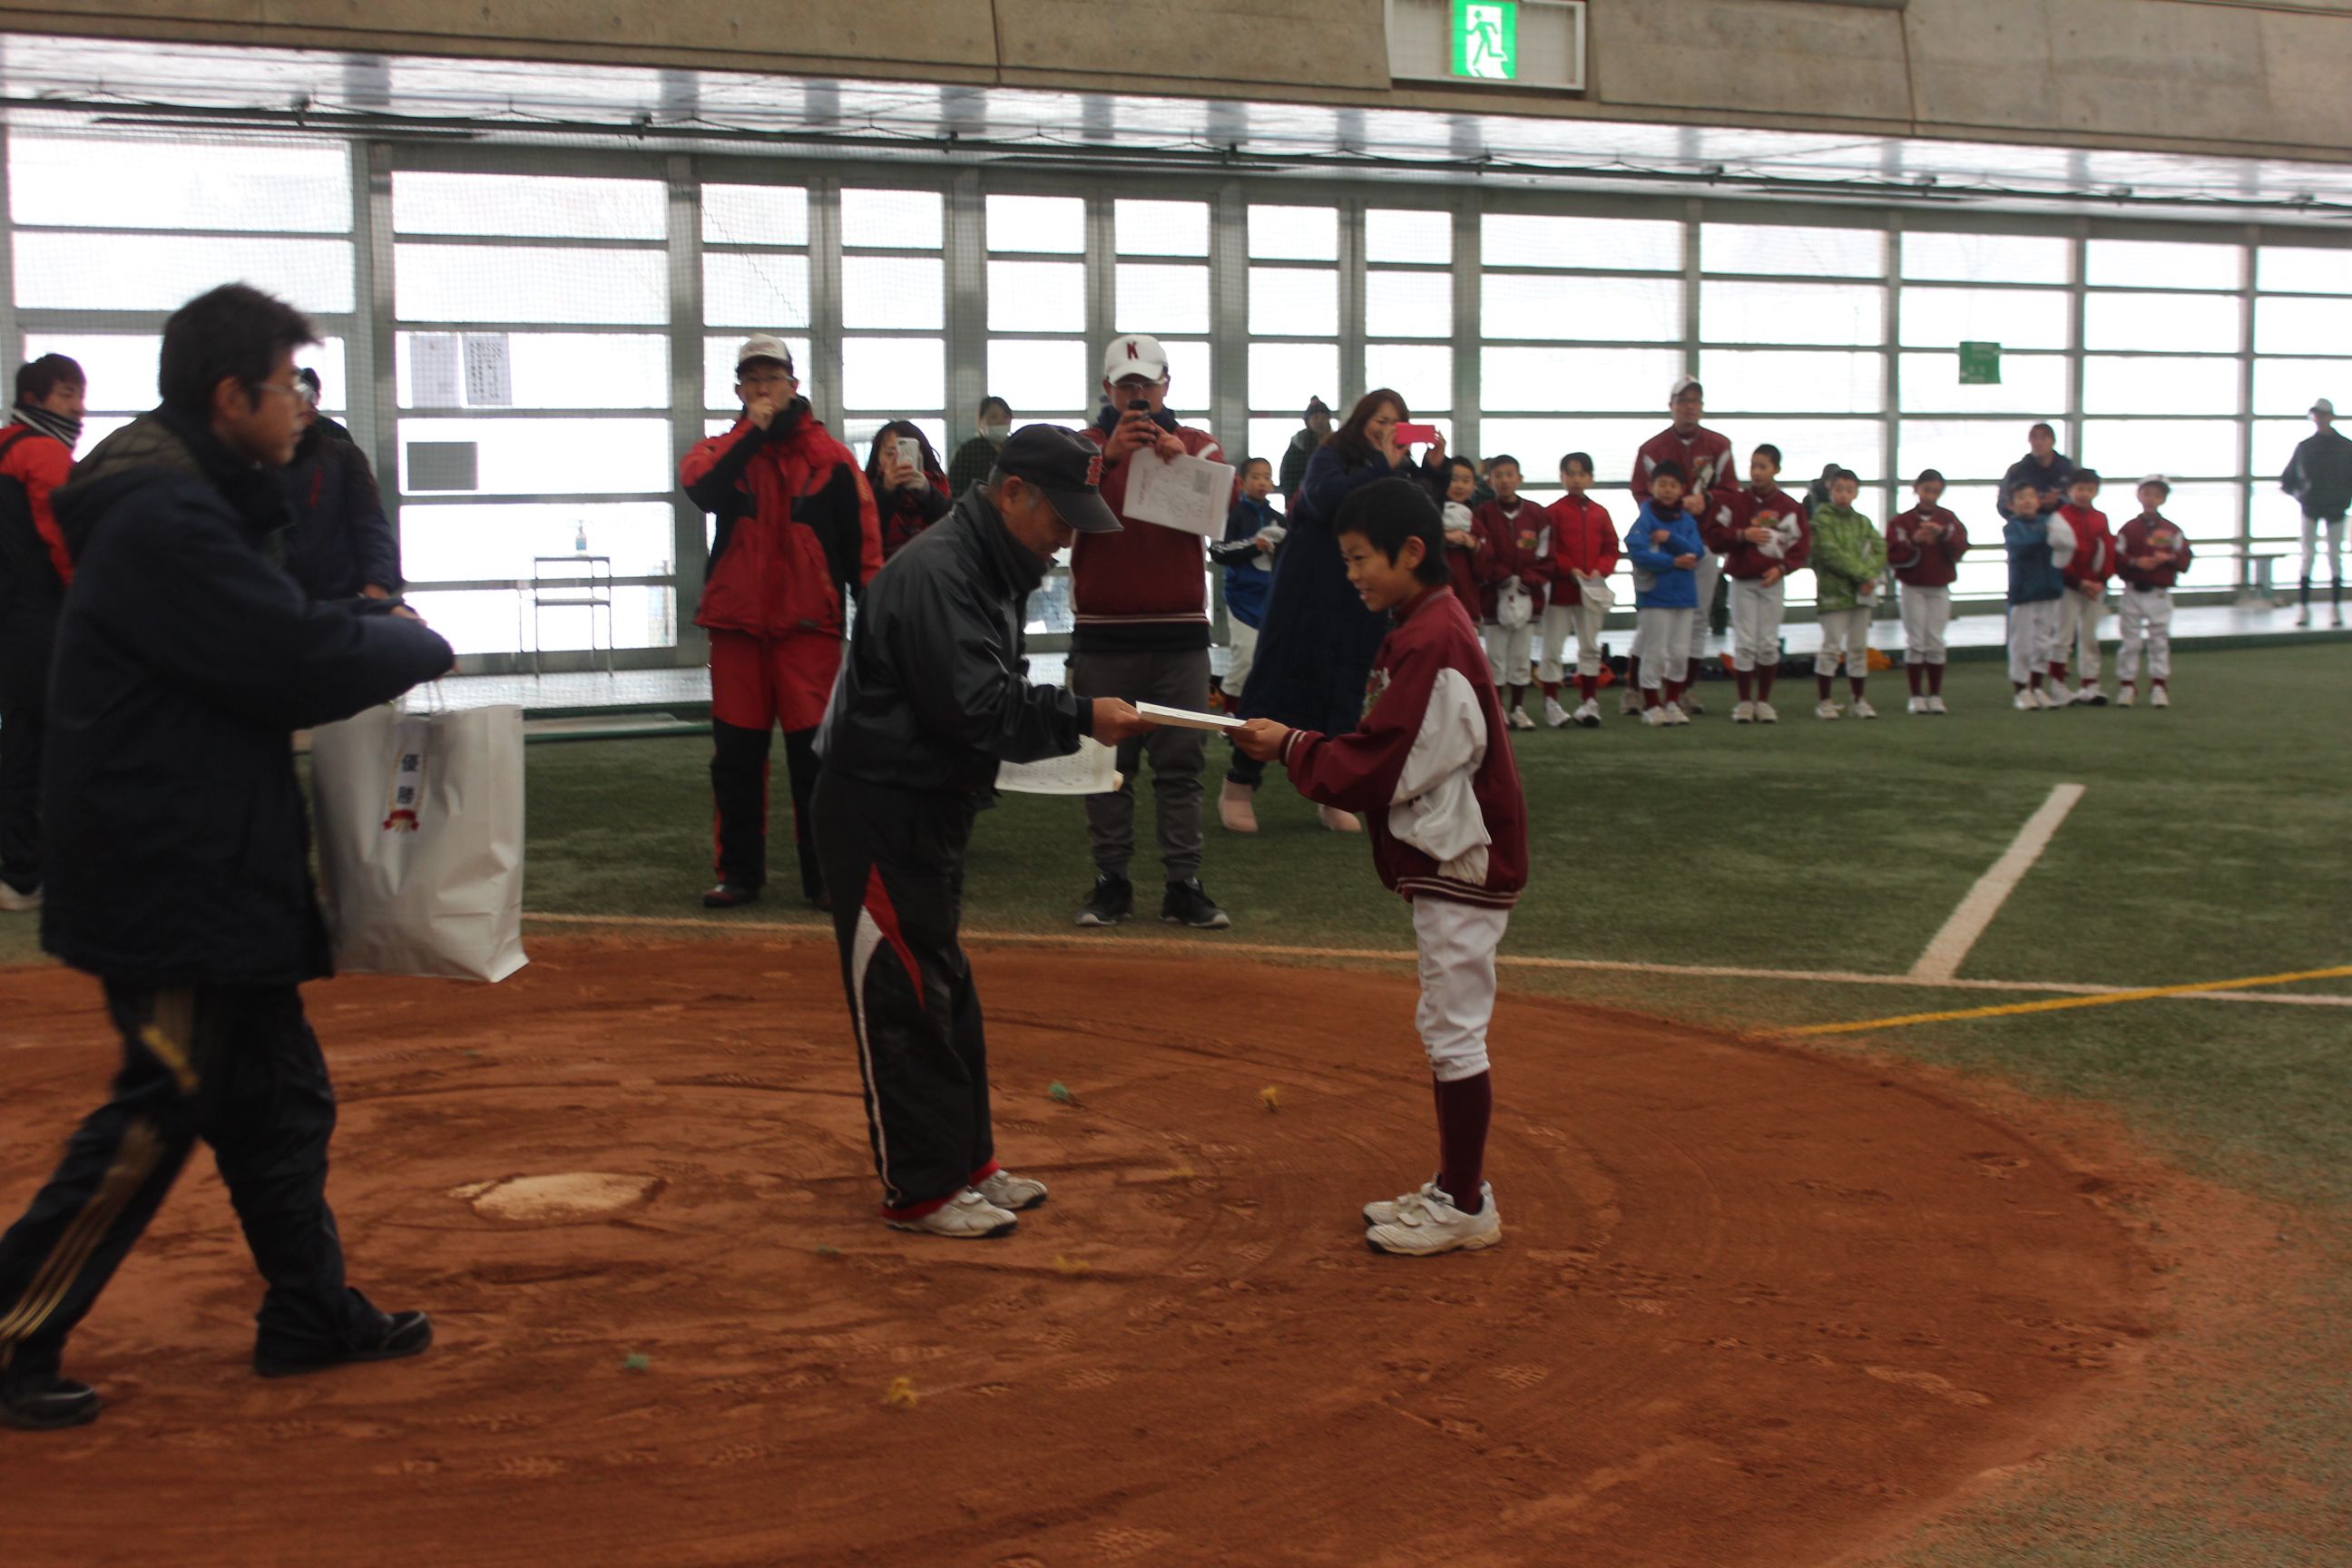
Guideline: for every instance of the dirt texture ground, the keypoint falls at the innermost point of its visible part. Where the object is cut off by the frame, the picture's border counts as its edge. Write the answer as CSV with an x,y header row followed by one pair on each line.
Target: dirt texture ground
x,y
1754,1306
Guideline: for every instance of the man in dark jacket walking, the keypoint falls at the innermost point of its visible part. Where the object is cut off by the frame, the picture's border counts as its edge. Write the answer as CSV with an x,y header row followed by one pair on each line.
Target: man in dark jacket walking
x,y
178,864
2319,477
931,697
340,546
36,455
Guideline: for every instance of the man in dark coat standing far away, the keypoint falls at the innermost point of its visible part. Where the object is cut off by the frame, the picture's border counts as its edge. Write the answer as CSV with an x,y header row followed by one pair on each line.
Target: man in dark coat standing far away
x,y
931,697
178,856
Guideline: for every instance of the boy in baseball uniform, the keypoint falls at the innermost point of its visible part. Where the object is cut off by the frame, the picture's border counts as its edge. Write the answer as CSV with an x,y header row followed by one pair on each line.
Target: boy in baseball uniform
x,y
2150,554
1764,535
1583,552
1512,527
1925,545
2084,551
1431,773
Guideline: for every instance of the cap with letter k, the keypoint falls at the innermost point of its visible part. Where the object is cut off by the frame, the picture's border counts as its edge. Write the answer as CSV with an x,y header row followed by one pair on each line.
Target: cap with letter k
x,y
1136,354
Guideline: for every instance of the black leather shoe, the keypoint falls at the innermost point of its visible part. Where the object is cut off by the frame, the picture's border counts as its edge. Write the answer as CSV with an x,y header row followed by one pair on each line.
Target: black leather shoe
x,y
1112,900
1188,904
48,1404
729,895
405,1334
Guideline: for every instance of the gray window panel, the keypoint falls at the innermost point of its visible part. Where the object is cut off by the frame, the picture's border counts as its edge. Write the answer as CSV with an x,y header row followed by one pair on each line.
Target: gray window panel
x,y
1301,301
1734,312
1036,297
904,293
1987,257
271,186
433,466
1794,381
2124,449
2282,386
1393,234
1409,304
2283,325
2187,322
2303,269
1041,374
2161,264
2029,382
893,220
886,375
1294,234
2153,384
1528,380
62,270
1160,228
553,456
1285,375
764,291
1602,309
1423,373
2013,317
1157,298
531,283
1529,240
754,214
527,207
1799,252
1037,223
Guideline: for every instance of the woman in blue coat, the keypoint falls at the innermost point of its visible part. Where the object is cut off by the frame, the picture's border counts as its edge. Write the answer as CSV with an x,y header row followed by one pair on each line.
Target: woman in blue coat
x,y
1315,646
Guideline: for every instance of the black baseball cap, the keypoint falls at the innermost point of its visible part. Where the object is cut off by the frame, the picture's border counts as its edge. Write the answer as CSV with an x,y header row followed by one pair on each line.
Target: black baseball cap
x,y
1066,467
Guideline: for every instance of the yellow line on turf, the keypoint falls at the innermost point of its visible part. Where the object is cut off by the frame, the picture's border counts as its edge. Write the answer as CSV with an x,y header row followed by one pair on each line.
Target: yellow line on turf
x,y
2057,1004
811,928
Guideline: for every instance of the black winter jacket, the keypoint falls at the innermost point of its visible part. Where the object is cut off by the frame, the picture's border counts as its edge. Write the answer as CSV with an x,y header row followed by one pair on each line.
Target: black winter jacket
x,y
178,842
341,540
931,694
2319,475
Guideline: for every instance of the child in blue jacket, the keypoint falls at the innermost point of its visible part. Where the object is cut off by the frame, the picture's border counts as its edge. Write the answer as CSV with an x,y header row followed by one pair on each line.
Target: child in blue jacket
x,y
2037,590
1662,546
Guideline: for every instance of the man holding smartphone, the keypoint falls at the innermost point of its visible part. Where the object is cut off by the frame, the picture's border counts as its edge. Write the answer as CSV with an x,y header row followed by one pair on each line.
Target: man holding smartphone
x,y
1140,603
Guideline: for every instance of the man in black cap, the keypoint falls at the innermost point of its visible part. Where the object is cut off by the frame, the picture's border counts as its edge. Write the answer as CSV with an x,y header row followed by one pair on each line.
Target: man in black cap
x,y
1313,433
930,698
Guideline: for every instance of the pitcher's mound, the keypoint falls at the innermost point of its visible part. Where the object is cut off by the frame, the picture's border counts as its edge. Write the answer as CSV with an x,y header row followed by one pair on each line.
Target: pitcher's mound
x,y
1752,1305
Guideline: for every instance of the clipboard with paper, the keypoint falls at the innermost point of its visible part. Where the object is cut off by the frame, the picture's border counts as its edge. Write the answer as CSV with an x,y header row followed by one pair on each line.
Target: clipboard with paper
x,y
1187,493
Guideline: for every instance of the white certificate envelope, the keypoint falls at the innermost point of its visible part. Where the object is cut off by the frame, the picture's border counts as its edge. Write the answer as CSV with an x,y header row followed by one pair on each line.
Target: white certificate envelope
x,y
1188,494
1186,718
1092,769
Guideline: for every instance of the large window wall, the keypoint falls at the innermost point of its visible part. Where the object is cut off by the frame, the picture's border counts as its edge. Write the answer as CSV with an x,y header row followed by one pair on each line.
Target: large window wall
x,y
526,341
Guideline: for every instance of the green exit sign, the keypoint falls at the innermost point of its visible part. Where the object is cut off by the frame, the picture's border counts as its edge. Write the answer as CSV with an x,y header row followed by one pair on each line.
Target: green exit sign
x,y
1980,364
1486,40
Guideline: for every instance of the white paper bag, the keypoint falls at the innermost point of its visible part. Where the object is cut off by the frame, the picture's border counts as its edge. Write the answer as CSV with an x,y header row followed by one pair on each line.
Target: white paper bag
x,y
420,841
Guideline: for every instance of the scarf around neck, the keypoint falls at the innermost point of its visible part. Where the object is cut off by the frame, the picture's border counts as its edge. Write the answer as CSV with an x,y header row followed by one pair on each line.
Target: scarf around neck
x,y
53,425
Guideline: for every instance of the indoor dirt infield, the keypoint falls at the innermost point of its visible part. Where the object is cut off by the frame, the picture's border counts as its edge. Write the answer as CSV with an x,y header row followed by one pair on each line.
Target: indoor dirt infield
x,y
1752,1305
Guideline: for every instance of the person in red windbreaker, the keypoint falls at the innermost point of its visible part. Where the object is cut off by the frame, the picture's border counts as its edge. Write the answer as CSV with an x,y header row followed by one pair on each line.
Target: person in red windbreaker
x,y
798,537
36,455
2084,549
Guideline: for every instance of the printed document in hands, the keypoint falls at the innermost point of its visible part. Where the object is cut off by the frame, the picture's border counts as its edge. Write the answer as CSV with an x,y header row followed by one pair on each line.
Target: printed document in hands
x,y
1092,769
1188,494
1186,718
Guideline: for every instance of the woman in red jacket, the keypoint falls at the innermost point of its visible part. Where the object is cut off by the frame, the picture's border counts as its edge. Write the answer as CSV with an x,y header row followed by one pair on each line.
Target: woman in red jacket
x,y
911,496
797,537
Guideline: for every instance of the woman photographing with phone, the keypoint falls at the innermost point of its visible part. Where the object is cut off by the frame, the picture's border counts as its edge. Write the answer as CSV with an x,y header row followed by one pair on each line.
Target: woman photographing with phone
x,y
1315,649
910,488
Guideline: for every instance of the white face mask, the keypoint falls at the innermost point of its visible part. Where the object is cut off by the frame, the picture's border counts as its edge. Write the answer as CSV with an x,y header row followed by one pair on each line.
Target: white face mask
x,y
996,430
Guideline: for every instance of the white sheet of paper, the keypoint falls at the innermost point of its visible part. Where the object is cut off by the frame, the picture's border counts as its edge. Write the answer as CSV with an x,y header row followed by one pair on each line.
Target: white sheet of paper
x,y
1185,718
1188,494
1092,769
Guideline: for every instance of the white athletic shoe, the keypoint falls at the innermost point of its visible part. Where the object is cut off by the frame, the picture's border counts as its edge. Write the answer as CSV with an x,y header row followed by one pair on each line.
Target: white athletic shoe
x,y
1554,714
16,903
2303,617
1339,821
2023,701
1766,713
1863,709
2043,699
2160,698
2091,697
1655,718
1743,713
1693,705
2125,694
1427,1223
968,1216
1916,705
1588,714
1675,715
1383,1211
1518,719
1010,1193
1629,706
1934,705
1825,711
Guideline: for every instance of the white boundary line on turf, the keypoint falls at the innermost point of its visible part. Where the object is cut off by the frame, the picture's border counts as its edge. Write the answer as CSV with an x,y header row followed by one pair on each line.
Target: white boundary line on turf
x,y
1948,948
1209,946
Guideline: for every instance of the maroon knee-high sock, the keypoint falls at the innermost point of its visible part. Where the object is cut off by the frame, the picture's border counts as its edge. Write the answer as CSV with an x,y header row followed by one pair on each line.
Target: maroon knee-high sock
x,y
1914,672
1823,681
1551,690
1764,677
1464,1108
1588,687
1746,680
1934,680
1855,684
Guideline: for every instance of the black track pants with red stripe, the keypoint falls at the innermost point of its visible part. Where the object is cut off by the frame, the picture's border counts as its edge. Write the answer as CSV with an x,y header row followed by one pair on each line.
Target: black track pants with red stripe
x,y
894,861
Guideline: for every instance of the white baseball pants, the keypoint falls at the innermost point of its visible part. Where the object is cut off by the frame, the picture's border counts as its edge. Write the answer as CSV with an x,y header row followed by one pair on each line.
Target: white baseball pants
x,y
1585,619
1844,632
2311,527
1756,612
1926,612
1668,632
2144,616
1509,651
2076,646
1457,942
2032,633
1704,574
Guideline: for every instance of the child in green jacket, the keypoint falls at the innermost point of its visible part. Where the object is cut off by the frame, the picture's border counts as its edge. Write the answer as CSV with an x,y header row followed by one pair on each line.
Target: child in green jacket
x,y
1849,558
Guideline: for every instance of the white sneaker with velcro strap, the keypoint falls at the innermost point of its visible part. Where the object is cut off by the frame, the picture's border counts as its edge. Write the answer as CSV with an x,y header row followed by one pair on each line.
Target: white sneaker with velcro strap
x,y
1383,1211
1427,1223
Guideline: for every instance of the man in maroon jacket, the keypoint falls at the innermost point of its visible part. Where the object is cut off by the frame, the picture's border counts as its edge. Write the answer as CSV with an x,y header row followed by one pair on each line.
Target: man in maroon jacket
x,y
1925,545
1140,603
1705,456
798,536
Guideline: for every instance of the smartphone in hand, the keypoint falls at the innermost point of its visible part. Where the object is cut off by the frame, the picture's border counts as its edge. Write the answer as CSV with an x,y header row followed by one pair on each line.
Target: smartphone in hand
x,y
1411,435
